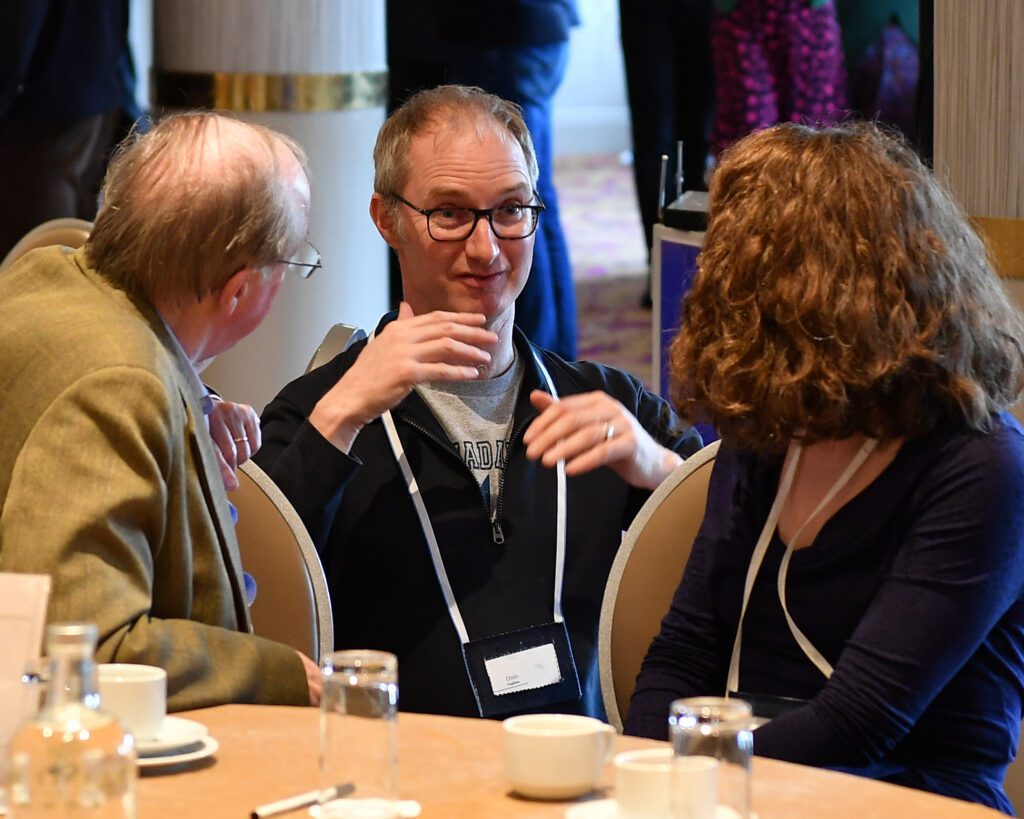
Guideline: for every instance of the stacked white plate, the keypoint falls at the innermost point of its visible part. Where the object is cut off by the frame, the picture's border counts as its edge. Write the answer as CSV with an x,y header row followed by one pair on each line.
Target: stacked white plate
x,y
180,740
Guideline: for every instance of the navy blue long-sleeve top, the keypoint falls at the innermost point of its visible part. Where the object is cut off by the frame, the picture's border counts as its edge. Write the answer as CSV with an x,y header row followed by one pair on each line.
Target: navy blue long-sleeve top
x,y
912,591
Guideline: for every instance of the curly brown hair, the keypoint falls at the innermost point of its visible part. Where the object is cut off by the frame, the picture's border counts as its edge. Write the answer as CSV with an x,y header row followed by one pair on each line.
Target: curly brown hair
x,y
840,290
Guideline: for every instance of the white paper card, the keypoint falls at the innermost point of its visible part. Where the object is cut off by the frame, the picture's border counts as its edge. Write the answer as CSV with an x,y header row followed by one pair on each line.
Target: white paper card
x,y
531,668
23,599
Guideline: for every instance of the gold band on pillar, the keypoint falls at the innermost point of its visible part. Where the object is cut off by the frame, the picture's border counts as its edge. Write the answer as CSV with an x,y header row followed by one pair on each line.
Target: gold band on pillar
x,y
1005,239
229,91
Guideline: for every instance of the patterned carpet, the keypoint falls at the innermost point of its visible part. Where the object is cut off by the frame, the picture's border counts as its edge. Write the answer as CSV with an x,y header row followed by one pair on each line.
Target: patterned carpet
x,y
609,259
613,328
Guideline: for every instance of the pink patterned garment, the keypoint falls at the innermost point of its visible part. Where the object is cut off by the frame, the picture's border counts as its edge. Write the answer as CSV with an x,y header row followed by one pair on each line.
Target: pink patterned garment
x,y
775,61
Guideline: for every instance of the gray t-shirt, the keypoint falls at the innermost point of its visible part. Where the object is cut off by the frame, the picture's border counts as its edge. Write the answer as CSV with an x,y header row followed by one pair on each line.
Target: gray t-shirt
x,y
477,417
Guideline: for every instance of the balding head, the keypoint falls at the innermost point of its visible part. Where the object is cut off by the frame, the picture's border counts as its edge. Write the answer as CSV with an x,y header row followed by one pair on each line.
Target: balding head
x,y
196,199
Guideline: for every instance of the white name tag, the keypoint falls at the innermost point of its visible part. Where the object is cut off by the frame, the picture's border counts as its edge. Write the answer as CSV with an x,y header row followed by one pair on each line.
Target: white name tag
x,y
532,668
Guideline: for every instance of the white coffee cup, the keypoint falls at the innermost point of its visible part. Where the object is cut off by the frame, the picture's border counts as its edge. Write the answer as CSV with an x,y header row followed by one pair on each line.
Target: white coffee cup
x,y
555,756
647,787
136,695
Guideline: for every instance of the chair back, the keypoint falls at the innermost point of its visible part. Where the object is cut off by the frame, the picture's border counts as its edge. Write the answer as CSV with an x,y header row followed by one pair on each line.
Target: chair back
x,y
338,339
645,575
292,604
69,232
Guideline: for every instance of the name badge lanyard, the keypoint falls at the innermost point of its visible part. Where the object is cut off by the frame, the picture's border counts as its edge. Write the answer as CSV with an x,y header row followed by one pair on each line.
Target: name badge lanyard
x,y
815,656
487,703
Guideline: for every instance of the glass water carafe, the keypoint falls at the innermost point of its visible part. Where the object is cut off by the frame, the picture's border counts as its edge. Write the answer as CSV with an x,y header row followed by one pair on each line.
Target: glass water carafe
x,y
72,759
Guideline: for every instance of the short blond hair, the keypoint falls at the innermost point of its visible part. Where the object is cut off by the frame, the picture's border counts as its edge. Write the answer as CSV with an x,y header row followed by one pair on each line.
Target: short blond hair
x,y
443,107
184,207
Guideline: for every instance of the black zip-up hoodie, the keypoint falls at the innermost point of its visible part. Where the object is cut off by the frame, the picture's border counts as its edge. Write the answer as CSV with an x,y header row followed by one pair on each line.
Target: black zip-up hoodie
x,y
384,592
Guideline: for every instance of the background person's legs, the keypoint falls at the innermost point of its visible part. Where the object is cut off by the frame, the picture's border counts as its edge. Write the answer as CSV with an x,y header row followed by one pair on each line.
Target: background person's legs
x,y
666,46
49,170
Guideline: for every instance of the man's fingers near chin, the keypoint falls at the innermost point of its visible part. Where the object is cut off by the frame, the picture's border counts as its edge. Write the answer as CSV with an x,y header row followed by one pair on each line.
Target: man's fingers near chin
x,y
451,372
456,356
463,318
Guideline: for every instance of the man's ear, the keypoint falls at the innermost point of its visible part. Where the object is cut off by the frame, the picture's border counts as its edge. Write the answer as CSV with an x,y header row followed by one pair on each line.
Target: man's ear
x,y
384,218
234,290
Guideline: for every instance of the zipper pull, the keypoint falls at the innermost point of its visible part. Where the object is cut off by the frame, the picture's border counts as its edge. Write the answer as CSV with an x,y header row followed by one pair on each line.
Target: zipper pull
x,y
496,534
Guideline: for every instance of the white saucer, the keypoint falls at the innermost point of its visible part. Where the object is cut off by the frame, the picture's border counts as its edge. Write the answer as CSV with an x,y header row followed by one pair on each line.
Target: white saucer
x,y
177,733
598,809
208,746
609,809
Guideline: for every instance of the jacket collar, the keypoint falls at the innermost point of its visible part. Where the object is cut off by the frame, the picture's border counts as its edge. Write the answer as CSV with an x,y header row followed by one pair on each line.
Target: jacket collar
x,y
198,431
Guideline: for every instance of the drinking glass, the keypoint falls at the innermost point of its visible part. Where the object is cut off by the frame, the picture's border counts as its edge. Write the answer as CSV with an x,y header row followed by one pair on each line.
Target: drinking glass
x,y
358,735
20,700
717,727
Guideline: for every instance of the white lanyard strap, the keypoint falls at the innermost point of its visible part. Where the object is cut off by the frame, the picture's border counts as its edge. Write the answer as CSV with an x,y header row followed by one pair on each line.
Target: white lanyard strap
x,y
732,682
560,505
428,529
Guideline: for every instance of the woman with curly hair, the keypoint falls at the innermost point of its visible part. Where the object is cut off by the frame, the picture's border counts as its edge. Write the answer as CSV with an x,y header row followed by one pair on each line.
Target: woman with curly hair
x,y
860,568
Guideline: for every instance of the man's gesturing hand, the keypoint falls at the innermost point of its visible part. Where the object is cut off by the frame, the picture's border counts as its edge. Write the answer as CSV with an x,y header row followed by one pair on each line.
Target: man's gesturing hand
x,y
591,430
411,350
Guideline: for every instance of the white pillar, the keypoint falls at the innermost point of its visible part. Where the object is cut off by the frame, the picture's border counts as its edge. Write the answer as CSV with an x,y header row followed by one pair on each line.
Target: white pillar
x,y
316,70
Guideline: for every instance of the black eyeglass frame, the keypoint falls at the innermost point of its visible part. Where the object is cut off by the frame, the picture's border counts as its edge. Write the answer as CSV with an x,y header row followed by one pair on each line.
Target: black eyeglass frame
x,y
307,269
478,214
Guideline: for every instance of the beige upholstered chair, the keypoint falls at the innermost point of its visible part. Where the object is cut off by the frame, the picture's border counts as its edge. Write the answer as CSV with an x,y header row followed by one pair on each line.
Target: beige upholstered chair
x,y
292,605
645,574
70,232
338,339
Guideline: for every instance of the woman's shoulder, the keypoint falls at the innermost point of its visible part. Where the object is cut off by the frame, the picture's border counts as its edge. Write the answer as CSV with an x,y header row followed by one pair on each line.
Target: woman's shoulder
x,y
982,463
745,477
999,446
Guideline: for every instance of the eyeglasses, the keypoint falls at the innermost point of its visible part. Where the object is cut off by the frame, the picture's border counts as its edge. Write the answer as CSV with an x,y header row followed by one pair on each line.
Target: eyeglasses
x,y
309,261
451,224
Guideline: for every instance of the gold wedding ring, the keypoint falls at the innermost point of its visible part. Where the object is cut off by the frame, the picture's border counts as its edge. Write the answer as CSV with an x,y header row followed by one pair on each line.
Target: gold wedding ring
x,y
240,440
608,430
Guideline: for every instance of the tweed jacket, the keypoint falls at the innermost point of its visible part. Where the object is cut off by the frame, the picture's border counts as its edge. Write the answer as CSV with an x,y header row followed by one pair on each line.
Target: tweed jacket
x,y
109,483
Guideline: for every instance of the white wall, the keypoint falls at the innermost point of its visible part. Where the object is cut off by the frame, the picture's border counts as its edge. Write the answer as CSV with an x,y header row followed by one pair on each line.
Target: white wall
x,y
591,115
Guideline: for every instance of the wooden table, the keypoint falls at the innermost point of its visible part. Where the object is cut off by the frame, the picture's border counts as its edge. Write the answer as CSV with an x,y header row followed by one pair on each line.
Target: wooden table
x,y
454,768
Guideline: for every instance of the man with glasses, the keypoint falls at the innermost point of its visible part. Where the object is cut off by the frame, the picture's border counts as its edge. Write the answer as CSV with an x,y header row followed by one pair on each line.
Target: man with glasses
x,y
235,428
467,490
109,479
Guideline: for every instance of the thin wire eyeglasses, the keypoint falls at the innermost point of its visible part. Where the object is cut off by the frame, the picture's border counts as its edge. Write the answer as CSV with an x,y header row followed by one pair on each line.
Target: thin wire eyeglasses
x,y
451,224
308,262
